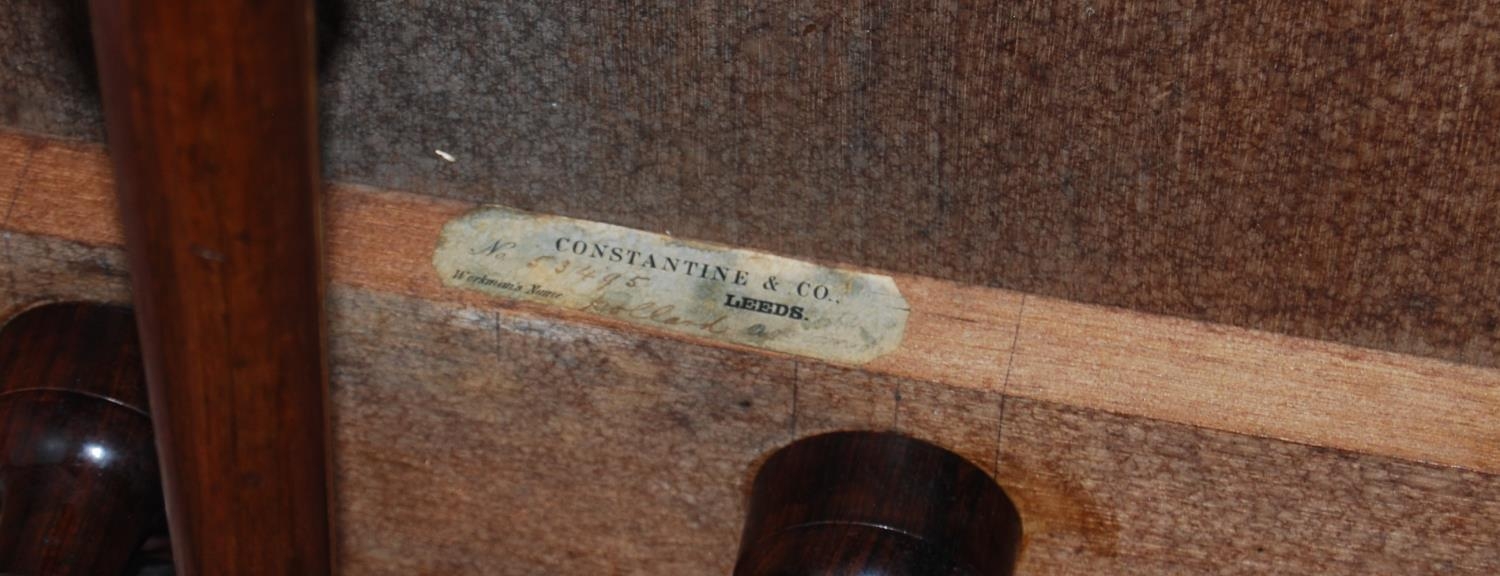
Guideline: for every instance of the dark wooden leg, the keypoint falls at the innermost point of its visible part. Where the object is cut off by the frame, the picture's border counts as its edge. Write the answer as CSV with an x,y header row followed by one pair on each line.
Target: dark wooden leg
x,y
210,113
79,489
876,504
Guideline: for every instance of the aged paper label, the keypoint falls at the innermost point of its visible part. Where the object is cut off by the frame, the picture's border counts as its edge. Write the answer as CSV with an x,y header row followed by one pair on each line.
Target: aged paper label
x,y
695,288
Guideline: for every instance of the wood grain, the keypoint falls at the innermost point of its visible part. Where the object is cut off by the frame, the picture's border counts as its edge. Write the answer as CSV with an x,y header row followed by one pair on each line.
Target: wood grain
x,y
1112,494
211,117
480,440
637,454
1320,170
1266,384
81,489
964,337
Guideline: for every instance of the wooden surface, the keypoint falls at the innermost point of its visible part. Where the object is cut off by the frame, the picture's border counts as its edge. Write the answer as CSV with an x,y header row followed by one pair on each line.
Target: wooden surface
x,y
476,439
1319,170
212,123
79,487
635,457
965,337
875,504
1323,171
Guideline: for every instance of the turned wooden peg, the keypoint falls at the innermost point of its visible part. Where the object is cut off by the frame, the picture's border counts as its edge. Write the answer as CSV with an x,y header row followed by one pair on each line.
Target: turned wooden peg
x,y
79,489
876,504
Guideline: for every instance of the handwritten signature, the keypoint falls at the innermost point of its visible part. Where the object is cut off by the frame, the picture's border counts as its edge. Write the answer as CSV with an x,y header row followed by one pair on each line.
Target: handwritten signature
x,y
664,314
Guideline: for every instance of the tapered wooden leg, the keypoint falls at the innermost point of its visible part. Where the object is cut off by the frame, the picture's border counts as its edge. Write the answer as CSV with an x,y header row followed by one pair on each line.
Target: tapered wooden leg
x,y
79,489
876,504
211,113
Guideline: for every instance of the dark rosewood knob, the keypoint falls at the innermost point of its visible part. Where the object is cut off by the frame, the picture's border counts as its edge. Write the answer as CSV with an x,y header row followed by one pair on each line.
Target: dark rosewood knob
x,y
79,488
876,504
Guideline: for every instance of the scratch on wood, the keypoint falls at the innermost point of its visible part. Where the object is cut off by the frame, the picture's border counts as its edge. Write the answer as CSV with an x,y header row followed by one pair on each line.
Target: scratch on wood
x,y
1015,339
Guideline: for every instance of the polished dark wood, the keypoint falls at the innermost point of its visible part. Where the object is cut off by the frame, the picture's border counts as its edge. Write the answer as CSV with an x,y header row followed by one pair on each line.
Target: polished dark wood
x,y
79,488
210,115
876,504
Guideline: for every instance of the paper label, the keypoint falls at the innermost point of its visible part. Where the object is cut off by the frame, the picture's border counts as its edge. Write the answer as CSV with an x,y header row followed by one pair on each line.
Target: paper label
x,y
658,281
